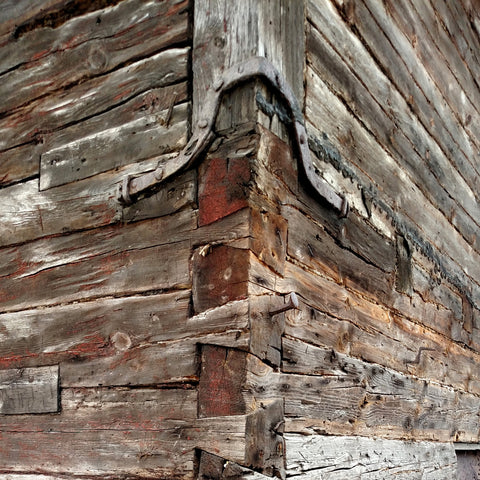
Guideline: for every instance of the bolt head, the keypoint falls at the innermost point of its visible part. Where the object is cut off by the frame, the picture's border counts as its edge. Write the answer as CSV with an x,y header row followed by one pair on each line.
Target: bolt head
x,y
159,172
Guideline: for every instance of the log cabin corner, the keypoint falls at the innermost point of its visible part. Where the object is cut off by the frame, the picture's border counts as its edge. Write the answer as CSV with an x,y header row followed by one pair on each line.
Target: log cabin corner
x,y
239,240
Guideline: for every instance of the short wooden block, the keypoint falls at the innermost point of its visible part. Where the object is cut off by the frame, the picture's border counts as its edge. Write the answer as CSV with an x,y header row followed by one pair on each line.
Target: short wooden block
x,y
222,378
223,187
29,390
220,275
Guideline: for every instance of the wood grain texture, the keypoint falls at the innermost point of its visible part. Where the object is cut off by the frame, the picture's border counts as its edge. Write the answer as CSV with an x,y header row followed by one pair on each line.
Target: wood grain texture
x,y
394,50
411,205
103,263
227,34
21,163
29,214
167,358
109,432
348,323
46,60
337,393
329,457
114,147
402,135
97,95
29,390
311,245
90,329
212,466
456,72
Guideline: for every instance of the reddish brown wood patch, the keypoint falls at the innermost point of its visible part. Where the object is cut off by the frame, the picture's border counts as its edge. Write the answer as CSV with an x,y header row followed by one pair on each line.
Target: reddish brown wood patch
x,y
220,275
221,381
223,188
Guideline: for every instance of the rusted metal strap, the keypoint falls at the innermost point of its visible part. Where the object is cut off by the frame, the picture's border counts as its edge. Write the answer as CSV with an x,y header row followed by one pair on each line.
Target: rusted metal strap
x,y
203,135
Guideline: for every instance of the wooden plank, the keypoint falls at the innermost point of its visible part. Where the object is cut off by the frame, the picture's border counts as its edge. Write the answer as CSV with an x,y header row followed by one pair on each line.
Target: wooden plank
x,y
401,134
277,179
223,186
266,330
23,162
354,397
367,458
229,382
97,95
265,446
179,193
144,433
47,253
143,138
153,101
400,62
162,358
311,245
28,214
19,164
269,238
222,377
212,466
457,21
113,148
44,61
89,329
220,275
432,288
144,365
29,390
337,318
112,261
411,204
16,12
442,45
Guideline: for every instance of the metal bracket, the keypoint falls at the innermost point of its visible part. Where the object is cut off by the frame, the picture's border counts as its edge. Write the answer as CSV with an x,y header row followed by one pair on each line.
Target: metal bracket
x,y
203,134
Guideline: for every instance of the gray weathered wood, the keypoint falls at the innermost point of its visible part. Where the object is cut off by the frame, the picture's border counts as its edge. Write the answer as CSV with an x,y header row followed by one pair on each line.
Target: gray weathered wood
x,y
398,58
105,432
29,390
407,135
97,95
226,34
114,147
45,60
19,164
90,329
343,394
353,325
28,214
109,261
330,457
310,244
411,204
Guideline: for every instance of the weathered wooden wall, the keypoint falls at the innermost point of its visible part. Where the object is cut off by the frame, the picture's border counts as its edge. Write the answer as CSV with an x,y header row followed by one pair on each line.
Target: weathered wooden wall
x,y
386,342
93,302
147,341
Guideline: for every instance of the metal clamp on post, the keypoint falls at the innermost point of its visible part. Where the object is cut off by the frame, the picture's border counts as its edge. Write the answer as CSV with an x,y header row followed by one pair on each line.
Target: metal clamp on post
x,y
203,134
